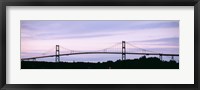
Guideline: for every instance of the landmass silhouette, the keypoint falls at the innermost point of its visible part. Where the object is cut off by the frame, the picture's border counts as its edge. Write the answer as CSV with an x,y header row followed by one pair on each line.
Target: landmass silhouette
x,y
140,63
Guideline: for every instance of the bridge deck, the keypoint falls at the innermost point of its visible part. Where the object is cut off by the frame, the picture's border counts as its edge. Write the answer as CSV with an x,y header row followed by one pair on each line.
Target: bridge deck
x,y
100,53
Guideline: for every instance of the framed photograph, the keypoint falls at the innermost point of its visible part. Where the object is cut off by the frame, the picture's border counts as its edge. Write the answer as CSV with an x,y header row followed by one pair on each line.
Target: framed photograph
x,y
87,44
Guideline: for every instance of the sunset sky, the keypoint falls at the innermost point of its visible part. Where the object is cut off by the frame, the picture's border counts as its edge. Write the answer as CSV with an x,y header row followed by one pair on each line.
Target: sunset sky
x,y
40,36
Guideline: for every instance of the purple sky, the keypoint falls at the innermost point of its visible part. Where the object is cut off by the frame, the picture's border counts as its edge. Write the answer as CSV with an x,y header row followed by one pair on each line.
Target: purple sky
x,y
40,36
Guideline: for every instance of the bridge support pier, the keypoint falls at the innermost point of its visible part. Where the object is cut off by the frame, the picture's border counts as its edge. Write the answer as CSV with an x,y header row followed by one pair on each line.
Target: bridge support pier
x,y
34,59
160,56
123,50
57,58
172,58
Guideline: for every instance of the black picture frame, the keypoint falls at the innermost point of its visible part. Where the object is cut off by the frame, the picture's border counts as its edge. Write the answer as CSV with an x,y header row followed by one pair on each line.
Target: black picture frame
x,y
5,86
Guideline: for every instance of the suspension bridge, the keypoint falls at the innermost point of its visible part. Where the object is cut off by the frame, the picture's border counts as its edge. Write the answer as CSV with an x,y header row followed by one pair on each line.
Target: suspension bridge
x,y
123,51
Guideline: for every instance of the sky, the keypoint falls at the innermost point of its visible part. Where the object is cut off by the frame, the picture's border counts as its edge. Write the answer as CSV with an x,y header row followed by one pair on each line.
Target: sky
x,y
39,37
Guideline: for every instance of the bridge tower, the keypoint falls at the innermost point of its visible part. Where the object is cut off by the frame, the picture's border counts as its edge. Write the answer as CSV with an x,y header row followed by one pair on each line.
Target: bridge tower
x,y
57,59
123,50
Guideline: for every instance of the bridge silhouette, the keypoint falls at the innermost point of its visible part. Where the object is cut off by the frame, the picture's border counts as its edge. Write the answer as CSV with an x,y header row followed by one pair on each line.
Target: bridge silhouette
x,y
122,52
